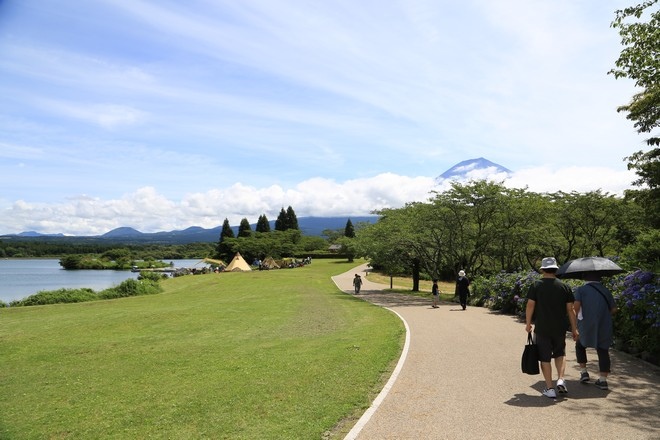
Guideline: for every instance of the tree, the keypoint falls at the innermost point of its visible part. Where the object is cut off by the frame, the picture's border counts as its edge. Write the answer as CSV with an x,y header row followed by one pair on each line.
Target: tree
x,y
333,234
281,224
347,241
385,242
640,61
647,167
262,224
291,219
286,220
223,250
349,230
244,229
472,214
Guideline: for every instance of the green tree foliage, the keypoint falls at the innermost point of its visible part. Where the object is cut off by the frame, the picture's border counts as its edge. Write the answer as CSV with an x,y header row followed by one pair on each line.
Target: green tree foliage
x,y
640,61
286,220
639,28
291,219
485,228
31,248
276,244
647,167
262,224
282,222
244,228
645,252
223,249
71,262
349,230
388,243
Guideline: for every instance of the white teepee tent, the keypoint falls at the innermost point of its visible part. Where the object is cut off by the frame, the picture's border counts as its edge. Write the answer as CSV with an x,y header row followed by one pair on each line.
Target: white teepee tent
x,y
238,264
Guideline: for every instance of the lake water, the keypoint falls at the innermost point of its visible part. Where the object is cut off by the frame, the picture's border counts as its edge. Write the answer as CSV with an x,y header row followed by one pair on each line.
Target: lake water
x,y
24,277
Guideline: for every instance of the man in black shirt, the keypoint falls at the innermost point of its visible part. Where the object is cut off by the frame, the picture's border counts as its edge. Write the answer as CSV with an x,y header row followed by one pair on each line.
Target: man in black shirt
x,y
550,302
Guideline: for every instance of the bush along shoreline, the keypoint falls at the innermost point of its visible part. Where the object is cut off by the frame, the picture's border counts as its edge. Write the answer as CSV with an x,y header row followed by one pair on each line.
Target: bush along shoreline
x,y
146,284
637,297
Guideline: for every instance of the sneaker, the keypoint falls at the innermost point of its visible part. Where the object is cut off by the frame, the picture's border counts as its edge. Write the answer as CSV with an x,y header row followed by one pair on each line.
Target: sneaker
x,y
561,386
584,377
602,384
550,392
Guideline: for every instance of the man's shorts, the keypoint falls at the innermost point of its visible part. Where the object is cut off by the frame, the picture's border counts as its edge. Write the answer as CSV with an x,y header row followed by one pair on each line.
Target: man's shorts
x,y
550,346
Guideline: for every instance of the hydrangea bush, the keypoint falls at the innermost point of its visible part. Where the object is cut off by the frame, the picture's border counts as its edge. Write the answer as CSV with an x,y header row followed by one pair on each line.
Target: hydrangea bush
x,y
506,292
637,320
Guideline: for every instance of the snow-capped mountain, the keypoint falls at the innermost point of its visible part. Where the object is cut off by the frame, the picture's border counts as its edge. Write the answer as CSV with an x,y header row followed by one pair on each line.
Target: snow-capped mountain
x,y
474,169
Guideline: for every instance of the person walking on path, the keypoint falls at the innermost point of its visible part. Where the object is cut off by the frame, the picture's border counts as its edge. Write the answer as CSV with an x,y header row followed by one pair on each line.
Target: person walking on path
x,y
594,306
549,301
462,288
436,294
357,283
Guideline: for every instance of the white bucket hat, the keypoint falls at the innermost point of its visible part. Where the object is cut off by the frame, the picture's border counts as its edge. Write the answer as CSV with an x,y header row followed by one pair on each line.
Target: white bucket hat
x,y
549,263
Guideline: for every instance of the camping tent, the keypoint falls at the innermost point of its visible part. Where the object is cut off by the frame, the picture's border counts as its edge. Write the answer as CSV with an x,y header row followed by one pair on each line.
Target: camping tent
x,y
219,264
269,263
238,264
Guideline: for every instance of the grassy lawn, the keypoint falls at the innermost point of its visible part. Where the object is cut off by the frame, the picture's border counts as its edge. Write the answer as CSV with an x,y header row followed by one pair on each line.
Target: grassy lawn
x,y
260,355
404,285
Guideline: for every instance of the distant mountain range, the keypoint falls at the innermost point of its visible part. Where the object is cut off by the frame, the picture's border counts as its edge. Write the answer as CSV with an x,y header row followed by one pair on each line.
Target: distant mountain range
x,y
310,226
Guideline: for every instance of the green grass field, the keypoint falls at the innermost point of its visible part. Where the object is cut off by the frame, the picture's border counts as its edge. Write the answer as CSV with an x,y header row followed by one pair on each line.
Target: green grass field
x,y
262,355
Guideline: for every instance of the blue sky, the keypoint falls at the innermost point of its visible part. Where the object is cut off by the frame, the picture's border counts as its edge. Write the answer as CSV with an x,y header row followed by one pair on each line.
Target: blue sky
x,y
161,115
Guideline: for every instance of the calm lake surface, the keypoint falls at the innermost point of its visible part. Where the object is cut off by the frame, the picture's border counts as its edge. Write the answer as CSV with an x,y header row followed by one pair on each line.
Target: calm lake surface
x,y
24,277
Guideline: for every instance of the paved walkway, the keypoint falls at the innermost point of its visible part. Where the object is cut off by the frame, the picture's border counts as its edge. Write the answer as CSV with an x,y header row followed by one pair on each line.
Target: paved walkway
x,y
459,378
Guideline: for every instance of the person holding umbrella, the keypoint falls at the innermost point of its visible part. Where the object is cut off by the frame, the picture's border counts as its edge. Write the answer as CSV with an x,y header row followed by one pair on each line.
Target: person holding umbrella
x,y
549,301
593,306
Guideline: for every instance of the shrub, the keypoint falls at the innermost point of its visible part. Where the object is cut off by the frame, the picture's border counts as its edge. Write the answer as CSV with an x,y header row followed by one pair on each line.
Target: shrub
x,y
506,292
637,321
131,287
151,276
56,297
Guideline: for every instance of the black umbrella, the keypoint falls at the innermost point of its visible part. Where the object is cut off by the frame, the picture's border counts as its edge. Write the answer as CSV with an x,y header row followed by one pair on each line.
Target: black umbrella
x,y
596,265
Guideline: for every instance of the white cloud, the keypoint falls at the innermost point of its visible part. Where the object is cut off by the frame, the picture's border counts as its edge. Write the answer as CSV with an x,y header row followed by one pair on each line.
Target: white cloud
x,y
149,211
572,178
108,116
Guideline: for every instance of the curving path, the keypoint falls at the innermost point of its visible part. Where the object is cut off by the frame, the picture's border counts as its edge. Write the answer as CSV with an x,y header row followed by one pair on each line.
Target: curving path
x,y
459,378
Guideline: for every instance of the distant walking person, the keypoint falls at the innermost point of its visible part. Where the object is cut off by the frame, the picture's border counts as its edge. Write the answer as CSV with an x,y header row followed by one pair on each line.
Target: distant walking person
x,y
357,283
594,306
462,288
549,302
436,294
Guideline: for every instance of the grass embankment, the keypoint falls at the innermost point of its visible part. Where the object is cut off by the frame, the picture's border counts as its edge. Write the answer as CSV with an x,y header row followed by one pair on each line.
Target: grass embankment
x,y
267,355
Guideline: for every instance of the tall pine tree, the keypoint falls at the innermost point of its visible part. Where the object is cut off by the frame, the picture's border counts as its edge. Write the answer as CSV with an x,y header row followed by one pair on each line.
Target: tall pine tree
x,y
281,224
262,224
292,220
244,229
349,231
223,250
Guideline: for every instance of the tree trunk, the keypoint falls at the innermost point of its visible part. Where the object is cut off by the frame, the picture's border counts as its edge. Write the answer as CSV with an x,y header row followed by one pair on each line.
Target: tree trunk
x,y
415,274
